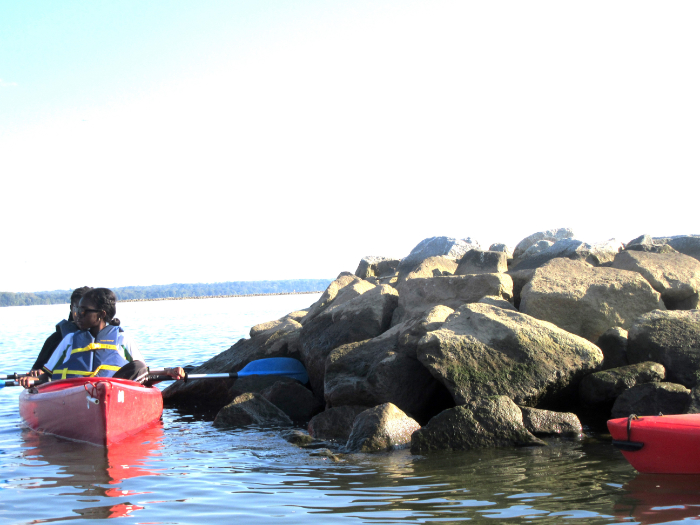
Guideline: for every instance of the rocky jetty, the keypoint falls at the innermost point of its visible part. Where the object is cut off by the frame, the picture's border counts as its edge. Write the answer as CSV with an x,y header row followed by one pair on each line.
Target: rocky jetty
x,y
456,346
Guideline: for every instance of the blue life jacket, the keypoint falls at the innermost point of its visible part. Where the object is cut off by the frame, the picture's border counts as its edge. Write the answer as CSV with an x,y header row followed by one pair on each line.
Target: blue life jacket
x,y
66,327
93,357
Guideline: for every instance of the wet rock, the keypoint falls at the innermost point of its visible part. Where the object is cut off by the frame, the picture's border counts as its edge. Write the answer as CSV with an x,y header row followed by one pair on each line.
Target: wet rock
x,y
585,300
605,386
651,399
384,427
613,343
363,317
547,423
670,338
294,399
298,438
250,409
418,296
477,261
482,350
489,422
674,275
335,423
326,453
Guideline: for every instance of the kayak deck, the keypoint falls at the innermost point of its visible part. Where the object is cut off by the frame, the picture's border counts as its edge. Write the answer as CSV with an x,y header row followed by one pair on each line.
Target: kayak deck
x,y
659,444
97,410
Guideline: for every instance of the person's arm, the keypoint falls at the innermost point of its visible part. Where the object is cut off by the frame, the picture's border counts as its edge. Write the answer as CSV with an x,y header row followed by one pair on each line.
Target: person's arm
x,y
59,355
47,350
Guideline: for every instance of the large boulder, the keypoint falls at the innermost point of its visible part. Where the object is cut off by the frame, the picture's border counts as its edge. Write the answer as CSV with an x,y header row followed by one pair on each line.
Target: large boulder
x,y
386,370
384,427
477,261
345,288
294,399
488,422
670,338
377,267
500,247
585,300
674,275
418,296
436,246
520,279
364,317
552,236
652,399
278,339
547,423
436,266
596,255
335,424
251,409
613,344
483,350
645,243
605,386
686,244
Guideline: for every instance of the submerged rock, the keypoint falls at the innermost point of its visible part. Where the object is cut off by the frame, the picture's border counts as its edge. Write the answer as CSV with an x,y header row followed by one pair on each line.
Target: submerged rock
x,y
548,423
334,423
250,409
384,427
488,422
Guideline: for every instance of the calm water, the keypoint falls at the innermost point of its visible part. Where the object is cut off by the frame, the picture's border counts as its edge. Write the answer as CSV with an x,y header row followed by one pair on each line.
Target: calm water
x,y
186,471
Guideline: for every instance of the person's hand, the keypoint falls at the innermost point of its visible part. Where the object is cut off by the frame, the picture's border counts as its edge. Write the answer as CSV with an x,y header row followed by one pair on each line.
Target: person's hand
x,y
34,373
175,373
27,381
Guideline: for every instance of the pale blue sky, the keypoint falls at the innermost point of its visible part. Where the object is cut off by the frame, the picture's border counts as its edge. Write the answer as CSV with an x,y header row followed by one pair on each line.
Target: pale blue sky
x,y
155,142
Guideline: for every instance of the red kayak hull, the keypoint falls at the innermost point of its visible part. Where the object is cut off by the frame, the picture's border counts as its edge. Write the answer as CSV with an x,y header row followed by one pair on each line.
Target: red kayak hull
x,y
95,410
669,444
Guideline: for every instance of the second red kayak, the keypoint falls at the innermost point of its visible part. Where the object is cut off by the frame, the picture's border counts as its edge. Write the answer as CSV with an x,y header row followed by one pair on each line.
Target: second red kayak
x,y
97,410
659,444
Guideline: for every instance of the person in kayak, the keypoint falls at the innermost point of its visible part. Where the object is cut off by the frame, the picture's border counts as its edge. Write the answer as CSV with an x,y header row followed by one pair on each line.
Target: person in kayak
x,y
101,348
63,328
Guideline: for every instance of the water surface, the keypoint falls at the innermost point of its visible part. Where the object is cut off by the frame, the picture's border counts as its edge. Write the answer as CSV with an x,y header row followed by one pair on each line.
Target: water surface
x,y
183,470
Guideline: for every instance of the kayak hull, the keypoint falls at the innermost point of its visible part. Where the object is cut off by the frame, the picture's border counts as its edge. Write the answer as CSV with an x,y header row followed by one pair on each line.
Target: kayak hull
x,y
659,444
95,410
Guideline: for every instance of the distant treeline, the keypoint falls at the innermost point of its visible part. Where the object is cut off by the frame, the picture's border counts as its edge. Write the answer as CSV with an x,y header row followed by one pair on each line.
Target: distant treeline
x,y
161,291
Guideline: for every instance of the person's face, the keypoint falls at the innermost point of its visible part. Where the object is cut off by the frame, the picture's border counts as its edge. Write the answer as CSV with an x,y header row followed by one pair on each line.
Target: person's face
x,y
87,315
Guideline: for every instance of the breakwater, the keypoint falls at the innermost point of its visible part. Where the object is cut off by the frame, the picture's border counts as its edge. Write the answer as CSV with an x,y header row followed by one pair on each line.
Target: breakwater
x,y
217,296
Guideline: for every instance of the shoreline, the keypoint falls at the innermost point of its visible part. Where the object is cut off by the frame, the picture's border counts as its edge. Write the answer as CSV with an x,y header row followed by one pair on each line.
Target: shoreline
x,y
214,296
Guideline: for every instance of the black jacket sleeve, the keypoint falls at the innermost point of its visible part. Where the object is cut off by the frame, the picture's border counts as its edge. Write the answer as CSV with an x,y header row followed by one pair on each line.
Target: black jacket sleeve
x,y
49,346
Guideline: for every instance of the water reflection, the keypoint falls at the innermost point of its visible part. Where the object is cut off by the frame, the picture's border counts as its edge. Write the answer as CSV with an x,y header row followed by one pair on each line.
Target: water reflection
x,y
89,473
660,498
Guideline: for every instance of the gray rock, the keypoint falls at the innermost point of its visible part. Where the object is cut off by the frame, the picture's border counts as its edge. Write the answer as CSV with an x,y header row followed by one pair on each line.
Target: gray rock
x,y
345,288
548,423
605,386
613,343
595,255
298,438
379,267
294,399
694,405
651,399
535,249
489,422
251,409
384,427
586,301
363,317
497,301
436,246
476,261
436,266
334,424
386,370
500,247
553,236
418,296
670,338
520,279
482,350
686,244
674,275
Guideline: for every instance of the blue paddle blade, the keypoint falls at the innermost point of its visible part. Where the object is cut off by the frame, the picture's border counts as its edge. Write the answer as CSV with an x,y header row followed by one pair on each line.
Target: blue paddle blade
x,y
281,366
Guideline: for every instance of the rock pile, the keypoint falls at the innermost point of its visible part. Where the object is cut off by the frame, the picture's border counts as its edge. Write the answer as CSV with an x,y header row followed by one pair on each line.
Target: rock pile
x,y
456,347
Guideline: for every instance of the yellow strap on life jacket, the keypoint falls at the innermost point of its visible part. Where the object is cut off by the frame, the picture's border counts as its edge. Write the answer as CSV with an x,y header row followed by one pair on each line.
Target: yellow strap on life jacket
x,y
65,371
94,346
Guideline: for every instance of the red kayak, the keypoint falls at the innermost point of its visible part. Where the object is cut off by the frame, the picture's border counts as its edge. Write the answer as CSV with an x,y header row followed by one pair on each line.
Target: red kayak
x,y
98,410
659,444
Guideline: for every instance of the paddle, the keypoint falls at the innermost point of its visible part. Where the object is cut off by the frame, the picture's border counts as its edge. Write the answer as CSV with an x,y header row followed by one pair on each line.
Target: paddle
x,y
279,366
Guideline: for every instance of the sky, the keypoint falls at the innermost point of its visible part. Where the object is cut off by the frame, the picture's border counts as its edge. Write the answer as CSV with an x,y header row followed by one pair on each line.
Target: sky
x,y
153,142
